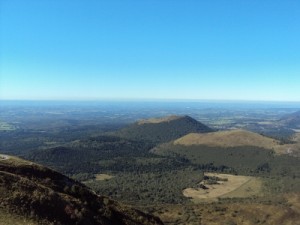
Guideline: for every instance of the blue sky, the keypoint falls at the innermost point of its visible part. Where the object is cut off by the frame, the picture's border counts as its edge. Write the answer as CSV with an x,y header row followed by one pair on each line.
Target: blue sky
x,y
150,49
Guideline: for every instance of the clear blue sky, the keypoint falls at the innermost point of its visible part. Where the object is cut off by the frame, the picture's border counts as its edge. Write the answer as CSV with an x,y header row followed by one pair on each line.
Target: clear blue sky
x,y
150,49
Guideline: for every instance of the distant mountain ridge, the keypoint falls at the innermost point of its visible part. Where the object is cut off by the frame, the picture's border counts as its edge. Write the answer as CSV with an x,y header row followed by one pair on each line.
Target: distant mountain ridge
x,y
48,197
160,130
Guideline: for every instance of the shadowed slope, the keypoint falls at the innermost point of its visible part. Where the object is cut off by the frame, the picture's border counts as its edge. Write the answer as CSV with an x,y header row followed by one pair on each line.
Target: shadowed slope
x,y
48,197
161,130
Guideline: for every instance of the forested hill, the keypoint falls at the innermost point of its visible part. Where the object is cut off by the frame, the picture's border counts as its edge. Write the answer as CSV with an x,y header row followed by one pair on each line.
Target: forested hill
x,y
33,194
160,130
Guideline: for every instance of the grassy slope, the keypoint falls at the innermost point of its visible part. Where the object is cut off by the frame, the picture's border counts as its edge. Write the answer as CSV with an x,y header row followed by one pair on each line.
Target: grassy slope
x,y
237,138
226,152
232,138
232,213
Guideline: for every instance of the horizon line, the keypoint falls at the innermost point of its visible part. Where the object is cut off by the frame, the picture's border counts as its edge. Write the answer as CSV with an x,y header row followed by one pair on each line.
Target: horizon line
x,y
149,100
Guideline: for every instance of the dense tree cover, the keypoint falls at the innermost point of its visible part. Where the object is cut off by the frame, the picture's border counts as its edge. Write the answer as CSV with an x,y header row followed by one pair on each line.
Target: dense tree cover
x,y
139,174
164,131
149,187
245,160
280,173
21,141
107,153
92,155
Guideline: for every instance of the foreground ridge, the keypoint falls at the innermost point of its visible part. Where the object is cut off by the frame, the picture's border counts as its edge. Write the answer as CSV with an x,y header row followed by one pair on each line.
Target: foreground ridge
x,y
29,190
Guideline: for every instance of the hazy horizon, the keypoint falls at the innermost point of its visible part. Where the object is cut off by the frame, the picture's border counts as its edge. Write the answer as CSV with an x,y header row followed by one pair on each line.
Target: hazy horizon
x,y
150,50
181,103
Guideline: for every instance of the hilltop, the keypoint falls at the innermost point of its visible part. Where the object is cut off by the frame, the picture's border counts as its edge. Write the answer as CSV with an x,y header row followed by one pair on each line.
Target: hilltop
x,y
159,120
231,138
31,192
160,130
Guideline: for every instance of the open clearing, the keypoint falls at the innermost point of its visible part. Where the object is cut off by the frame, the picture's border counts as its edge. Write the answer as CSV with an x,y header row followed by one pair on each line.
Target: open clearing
x,y
229,186
4,157
103,176
99,177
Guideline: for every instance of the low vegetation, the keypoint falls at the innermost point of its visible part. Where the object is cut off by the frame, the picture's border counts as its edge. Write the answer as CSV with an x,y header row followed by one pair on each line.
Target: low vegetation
x,y
136,166
233,212
47,197
227,139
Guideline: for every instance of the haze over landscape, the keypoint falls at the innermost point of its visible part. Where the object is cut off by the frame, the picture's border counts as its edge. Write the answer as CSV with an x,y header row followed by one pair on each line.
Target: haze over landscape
x,y
95,50
129,112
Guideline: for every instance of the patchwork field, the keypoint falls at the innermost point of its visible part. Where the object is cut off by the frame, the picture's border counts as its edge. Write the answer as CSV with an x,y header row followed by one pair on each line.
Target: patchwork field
x,y
6,127
224,186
